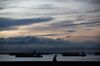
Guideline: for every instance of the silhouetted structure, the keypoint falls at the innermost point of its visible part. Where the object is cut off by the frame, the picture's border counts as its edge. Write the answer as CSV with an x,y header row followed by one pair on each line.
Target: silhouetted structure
x,y
97,53
54,62
54,58
83,53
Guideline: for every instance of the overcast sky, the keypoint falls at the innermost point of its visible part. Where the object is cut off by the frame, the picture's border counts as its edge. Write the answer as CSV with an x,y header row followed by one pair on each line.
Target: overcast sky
x,y
66,19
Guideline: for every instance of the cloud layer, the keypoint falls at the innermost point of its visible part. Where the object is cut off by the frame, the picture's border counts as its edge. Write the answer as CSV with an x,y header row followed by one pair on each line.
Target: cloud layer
x,y
60,17
8,23
49,24
29,43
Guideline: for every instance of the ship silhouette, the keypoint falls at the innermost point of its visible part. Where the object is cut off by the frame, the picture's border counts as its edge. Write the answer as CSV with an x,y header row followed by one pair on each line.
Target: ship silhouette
x,y
29,54
97,53
74,54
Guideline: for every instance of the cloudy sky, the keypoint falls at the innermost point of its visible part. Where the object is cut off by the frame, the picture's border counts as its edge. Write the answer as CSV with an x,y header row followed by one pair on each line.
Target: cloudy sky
x,y
66,19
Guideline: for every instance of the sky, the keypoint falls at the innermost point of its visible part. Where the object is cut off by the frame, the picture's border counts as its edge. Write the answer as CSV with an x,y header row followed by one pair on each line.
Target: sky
x,y
65,19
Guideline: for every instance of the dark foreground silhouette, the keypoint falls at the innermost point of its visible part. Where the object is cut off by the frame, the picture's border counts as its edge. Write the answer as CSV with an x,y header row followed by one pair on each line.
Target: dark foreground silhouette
x,y
54,62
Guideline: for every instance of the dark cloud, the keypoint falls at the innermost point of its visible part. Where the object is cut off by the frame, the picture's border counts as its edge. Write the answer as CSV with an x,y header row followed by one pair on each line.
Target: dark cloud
x,y
72,24
90,25
51,35
90,1
8,23
1,8
88,29
89,22
95,1
84,23
96,10
18,43
72,30
46,6
58,24
8,28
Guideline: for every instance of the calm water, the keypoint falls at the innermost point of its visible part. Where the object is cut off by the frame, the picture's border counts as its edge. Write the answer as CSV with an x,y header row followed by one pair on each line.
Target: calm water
x,y
89,57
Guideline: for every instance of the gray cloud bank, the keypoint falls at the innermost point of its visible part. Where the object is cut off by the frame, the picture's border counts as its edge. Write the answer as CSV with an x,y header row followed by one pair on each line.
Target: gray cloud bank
x,y
42,43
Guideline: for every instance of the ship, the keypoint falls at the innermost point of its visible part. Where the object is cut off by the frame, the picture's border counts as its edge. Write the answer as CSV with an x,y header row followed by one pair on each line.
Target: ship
x,y
74,54
97,53
23,54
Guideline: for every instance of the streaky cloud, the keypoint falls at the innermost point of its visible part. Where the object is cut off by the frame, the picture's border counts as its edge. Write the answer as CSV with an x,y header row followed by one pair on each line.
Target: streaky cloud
x,y
84,23
8,23
51,35
72,30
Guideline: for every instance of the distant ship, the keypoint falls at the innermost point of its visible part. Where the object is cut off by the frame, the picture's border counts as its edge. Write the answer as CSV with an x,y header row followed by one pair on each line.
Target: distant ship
x,y
97,53
74,54
34,54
